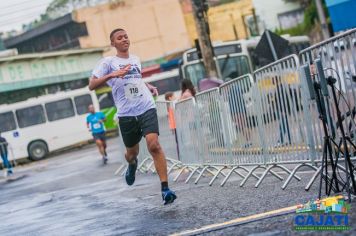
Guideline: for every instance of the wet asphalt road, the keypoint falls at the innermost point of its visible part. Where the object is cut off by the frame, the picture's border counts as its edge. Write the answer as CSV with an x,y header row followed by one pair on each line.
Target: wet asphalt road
x,y
74,194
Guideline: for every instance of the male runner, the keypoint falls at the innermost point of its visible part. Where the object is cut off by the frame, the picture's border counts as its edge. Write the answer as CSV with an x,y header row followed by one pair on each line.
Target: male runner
x,y
136,108
95,123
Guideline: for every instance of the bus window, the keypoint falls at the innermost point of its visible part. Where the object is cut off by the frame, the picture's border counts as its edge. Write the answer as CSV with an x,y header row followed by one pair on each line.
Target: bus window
x,y
30,116
167,85
233,67
82,102
7,121
195,72
59,109
106,100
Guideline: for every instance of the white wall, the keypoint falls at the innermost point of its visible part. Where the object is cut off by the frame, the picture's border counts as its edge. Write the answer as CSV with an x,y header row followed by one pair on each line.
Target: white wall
x,y
268,10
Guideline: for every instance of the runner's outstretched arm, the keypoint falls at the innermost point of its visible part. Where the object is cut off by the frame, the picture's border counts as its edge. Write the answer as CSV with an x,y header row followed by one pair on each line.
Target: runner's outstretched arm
x,y
153,89
95,82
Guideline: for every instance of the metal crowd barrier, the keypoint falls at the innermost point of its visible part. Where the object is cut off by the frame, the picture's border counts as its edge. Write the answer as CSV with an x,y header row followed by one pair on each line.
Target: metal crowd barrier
x,y
242,121
167,134
241,118
188,136
286,133
338,60
334,58
260,121
250,121
212,134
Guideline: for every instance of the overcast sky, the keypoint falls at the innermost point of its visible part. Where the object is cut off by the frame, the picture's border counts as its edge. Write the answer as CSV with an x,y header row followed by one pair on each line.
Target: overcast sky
x,y
14,13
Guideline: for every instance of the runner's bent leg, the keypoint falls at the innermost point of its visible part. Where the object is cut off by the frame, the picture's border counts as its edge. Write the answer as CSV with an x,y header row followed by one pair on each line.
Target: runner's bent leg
x,y
131,158
132,153
104,146
158,156
99,144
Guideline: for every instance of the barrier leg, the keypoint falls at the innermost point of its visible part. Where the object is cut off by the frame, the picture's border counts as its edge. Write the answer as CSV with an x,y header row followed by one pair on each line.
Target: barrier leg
x,y
201,174
140,167
216,175
245,169
150,167
124,170
249,175
119,169
265,174
313,178
191,174
289,172
179,173
295,171
172,167
228,175
275,174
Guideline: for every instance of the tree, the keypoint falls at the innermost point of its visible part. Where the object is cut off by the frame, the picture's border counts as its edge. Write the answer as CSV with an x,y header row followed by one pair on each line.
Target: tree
x,y
59,8
310,16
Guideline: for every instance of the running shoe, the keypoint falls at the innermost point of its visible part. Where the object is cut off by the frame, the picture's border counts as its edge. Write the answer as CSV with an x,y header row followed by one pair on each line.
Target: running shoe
x,y
168,196
130,173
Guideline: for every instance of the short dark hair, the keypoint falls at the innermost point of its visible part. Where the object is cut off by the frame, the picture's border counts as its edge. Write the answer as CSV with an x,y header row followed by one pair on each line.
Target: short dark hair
x,y
114,31
187,84
167,95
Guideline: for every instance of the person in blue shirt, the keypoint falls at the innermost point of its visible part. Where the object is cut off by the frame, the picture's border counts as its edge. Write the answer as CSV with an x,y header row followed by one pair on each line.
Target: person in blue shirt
x,y
4,155
95,124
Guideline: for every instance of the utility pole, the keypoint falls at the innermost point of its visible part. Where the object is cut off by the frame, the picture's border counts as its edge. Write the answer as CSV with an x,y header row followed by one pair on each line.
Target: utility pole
x,y
200,10
321,14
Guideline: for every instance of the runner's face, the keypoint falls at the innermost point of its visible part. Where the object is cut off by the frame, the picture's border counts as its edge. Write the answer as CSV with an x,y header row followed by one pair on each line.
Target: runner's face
x,y
120,40
91,109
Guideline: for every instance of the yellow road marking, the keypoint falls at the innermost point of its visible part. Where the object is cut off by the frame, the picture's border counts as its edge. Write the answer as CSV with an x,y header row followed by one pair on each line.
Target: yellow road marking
x,y
235,221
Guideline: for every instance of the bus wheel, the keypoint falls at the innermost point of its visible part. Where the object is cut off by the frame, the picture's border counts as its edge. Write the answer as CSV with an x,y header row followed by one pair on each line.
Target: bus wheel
x,y
37,150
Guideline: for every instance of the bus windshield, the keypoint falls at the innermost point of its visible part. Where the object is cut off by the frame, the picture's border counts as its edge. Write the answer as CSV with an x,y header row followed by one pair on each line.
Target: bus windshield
x,y
233,58
195,72
229,67
167,85
168,81
233,67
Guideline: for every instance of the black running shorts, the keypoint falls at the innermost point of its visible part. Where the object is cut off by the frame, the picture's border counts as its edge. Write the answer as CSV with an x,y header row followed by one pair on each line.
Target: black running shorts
x,y
133,128
99,136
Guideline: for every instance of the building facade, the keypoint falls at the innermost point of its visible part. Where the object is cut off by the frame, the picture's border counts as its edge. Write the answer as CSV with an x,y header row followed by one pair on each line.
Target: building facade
x,y
277,14
226,21
156,27
59,34
31,75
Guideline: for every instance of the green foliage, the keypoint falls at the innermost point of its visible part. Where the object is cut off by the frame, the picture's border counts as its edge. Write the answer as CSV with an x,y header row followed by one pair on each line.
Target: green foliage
x,y
60,7
295,31
44,18
310,16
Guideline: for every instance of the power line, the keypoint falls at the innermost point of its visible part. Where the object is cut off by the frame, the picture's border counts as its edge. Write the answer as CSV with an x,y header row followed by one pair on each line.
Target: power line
x,y
21,10
18,4
18,19
30,13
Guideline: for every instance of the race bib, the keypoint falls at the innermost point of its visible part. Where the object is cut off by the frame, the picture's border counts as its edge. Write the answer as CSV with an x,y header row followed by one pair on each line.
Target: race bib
x,y
96,126
132,91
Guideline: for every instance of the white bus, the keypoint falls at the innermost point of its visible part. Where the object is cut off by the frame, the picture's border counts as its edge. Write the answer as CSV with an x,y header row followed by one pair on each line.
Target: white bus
x,y
233,58
44,124
168,81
